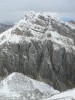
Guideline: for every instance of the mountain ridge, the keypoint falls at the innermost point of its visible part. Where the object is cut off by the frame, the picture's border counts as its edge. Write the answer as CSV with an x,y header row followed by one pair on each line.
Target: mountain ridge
x,y
42,47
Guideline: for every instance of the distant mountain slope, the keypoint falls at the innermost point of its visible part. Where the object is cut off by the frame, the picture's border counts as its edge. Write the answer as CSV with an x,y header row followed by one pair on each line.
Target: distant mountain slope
x,y
4,27
42,47
73,22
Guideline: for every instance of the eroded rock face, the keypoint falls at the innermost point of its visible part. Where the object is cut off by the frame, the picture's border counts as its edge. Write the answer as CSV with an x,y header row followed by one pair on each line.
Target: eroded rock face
x,y
35,47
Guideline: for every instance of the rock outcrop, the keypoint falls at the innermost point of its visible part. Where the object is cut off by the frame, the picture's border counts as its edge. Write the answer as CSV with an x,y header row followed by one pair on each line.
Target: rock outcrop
x,y
42,47
20,87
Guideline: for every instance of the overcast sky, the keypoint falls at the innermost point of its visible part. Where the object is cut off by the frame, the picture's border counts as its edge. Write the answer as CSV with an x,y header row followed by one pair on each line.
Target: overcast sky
x,y
13,10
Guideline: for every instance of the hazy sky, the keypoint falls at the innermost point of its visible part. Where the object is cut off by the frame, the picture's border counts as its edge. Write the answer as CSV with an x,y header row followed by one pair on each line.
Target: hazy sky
x,y
13,10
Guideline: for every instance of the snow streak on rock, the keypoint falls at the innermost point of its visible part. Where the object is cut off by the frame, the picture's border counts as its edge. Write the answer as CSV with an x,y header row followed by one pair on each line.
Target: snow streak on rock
x,y
42,47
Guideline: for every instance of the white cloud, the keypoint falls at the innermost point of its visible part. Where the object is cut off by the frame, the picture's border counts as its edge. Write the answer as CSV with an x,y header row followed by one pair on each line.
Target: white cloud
x,y
14,9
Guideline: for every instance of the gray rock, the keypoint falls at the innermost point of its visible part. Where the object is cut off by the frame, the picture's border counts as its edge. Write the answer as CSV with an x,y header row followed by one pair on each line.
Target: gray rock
x,y
38,47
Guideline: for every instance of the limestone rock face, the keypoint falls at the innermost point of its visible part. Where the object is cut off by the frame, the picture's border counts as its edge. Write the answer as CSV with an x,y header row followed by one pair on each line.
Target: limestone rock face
x,y
42,47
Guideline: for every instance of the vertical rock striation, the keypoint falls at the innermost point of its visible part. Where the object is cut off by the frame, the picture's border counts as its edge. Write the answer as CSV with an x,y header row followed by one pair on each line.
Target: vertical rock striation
x,y
42,47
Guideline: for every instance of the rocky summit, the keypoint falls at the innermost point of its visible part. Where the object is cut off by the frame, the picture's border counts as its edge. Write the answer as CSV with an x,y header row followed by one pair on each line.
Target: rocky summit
x,y
41,47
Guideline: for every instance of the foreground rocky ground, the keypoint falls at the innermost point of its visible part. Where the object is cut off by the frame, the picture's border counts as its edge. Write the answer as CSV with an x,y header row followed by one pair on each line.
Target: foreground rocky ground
x,y
17,86
68,95
20,87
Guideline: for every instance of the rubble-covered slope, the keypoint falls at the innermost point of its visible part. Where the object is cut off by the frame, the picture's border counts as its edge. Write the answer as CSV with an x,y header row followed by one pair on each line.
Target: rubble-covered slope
x,y
42,47
20,87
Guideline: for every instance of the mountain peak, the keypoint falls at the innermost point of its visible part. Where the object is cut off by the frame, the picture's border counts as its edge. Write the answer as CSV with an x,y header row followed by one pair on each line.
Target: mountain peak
x,y
42,47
